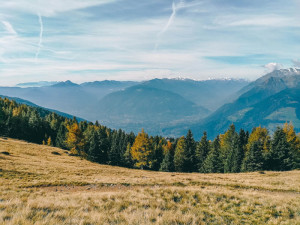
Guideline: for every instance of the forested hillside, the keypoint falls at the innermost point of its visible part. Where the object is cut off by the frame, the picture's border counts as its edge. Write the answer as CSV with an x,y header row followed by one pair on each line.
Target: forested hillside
x,y
229,152
154,104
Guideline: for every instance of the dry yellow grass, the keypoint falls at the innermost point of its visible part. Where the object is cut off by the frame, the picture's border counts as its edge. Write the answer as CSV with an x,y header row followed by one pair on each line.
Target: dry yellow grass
x,y
39,187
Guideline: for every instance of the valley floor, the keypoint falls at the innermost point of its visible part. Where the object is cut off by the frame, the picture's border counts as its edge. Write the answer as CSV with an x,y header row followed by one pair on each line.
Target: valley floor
x,y
44,185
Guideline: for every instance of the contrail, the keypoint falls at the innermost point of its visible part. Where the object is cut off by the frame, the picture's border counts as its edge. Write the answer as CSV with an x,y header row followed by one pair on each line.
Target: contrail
x,y
41,37
171,18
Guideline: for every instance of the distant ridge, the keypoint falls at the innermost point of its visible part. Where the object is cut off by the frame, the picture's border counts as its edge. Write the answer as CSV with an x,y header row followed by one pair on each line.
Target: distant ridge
x,y
270,101
44,110
37,84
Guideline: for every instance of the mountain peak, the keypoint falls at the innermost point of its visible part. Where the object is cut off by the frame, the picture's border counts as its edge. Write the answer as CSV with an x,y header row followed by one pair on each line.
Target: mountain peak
x,y
67,83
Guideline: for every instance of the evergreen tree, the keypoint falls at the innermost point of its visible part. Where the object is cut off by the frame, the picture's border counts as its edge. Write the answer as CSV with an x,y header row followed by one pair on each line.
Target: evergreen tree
x,y
113,153
103,145
158,155
93,151
253,160
226,142
60,140
127,157
180,155
294,142
190,156
232,154
202,151
280,157
213,163
239,152
167,164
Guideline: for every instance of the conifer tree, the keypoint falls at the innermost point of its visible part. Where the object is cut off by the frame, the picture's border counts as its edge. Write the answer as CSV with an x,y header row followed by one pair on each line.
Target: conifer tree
x,y
141,151
226,142
280,157
294,142
60,140
202,151
127,157
93,149
180,155
239,152
213,162
253,160
103,145
113,153
167,164
190,156
49,141
75,139
232,155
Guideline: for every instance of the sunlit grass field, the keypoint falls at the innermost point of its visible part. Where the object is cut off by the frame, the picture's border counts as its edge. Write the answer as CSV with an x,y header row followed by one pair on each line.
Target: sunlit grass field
x,y
44,185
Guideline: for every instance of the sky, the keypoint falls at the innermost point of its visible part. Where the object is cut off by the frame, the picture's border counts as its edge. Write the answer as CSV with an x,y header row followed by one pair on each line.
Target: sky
x,y
87,40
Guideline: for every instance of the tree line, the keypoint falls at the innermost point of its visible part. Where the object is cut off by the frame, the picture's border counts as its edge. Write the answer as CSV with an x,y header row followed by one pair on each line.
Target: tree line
x,y
231,152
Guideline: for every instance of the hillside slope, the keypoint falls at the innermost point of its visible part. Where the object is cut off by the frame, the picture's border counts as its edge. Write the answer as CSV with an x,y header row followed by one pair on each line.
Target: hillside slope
x,y
210,94
45,185
144,107
269,101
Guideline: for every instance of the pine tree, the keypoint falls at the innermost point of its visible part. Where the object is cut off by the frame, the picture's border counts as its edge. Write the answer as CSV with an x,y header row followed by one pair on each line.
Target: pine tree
x,y
239,152
280,157
167,164
253,160
232,154
190,156
103,145
213,163
202,151
180,155
127,157
113,153
294,142
226,142
141,151
60,140
93,150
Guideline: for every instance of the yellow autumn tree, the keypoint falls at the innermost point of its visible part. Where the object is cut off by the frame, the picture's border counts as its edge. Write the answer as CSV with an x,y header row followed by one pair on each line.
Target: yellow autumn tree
x,y
49,141
75,139
292,138
261,135
141,151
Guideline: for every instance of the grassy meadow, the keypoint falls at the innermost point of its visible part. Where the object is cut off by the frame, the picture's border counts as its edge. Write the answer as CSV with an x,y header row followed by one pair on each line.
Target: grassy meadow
x,y
45,185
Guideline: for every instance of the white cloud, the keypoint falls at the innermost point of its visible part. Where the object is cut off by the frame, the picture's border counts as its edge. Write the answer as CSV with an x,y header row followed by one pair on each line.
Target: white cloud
x,y
296,62
50,8
273,66
9,28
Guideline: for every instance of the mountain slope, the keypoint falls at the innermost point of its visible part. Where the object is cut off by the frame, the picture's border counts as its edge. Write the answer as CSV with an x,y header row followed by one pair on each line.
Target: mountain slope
x,y
269,101
275,93
79,100
146,107
210,94
42,110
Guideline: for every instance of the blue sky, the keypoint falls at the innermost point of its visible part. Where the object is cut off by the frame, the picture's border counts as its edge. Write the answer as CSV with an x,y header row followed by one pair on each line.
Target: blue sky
x,y
85,40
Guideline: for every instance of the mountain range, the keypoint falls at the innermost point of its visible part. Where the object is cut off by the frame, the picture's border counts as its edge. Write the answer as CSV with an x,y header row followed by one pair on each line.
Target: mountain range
x,y
153,104
170,107
270,101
